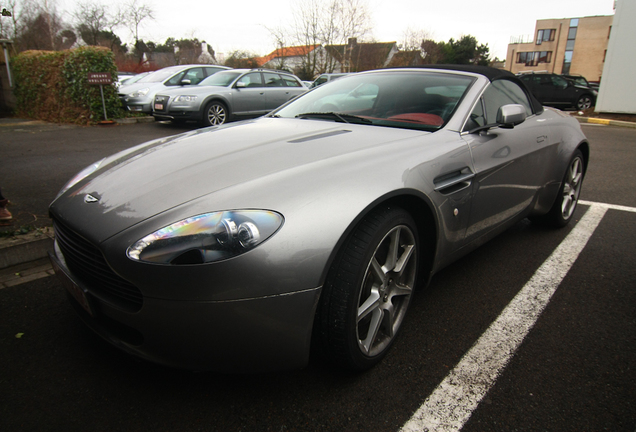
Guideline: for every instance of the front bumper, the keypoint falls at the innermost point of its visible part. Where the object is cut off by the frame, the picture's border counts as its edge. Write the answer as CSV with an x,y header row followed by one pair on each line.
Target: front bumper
x,y
247,335
177,115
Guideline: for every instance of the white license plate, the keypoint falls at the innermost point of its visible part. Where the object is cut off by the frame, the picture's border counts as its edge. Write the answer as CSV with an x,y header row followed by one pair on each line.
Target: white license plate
x,y
77,292
159,107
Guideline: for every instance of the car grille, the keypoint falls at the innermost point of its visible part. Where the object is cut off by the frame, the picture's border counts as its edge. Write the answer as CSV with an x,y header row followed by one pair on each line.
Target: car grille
x,y
161,101
87,263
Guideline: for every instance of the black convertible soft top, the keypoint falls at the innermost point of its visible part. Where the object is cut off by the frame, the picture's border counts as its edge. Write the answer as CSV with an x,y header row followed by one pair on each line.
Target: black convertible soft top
x,y
492,74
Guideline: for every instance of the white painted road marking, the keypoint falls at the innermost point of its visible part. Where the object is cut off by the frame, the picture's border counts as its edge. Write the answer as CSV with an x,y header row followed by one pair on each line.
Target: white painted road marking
x,y
452,403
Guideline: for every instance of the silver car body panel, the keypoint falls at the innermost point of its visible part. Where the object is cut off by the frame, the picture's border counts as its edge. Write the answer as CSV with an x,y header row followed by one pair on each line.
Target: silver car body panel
x,y
322,176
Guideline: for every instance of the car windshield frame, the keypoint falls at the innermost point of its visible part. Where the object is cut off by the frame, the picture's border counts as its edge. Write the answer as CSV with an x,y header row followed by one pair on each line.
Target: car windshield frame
x,y
400,99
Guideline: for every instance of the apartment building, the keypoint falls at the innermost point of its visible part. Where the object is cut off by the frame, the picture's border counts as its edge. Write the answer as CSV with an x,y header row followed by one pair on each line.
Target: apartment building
x,y
574,46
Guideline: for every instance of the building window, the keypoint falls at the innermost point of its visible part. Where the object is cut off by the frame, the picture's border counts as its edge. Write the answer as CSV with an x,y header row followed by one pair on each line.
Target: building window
x,y
534,58
569,46
545,35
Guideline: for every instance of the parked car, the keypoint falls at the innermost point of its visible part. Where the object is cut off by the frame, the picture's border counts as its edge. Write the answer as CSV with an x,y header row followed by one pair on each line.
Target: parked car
x,y
228,95
241,247
580,80
138,97
324,78
129,78
557,91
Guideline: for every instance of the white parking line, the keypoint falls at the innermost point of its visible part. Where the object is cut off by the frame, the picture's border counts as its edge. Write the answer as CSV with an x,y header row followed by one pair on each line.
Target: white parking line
x,y
451,404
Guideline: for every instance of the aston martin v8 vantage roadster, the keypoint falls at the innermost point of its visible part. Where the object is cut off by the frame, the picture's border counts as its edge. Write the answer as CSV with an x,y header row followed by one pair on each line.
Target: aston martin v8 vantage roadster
x,y
240,247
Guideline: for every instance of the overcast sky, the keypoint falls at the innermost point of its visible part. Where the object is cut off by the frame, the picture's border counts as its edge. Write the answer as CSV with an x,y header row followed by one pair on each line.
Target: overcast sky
x,y
242,24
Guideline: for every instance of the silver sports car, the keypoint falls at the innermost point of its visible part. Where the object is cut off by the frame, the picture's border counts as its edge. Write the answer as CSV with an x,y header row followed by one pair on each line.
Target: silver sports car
x,y
242,246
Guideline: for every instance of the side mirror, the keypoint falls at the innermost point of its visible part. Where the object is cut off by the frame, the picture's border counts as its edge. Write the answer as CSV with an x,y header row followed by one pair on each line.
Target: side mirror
x,y
511,115
508,116
240,84
186,82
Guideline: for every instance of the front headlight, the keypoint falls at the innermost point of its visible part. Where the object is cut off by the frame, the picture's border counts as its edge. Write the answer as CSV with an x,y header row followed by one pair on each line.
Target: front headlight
x,y
80,176
138,93
207,237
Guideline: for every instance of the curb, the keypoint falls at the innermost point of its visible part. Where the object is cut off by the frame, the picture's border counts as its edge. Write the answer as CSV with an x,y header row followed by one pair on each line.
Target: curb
x,y
25,248
605,122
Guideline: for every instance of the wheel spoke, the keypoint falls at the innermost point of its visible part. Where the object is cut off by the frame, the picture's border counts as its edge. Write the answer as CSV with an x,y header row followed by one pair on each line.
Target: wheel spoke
x,y
401,263
377,270
374,327
371,304
392,256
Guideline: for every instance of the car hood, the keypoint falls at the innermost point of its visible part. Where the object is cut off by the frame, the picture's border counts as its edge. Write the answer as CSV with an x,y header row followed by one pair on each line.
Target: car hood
x,y
194,90
152,178
126,89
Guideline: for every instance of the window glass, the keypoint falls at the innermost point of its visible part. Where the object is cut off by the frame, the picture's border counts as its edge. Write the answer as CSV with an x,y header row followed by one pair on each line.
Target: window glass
x,y
195,75
290,81
252,80
413,100
559,82
175,80
539,37
273,80
545,56
476,118
503,92
224,79
572,33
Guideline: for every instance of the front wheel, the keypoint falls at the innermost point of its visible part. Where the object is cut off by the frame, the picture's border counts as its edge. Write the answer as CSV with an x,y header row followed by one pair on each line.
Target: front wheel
x,y
215,114
368,290
567,199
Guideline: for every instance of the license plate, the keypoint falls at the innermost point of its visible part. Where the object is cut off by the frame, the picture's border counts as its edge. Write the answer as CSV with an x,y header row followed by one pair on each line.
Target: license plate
x,y
75,290
159,107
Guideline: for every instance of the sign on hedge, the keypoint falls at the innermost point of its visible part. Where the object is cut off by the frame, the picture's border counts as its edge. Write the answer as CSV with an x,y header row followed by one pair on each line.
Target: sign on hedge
x,y
99,78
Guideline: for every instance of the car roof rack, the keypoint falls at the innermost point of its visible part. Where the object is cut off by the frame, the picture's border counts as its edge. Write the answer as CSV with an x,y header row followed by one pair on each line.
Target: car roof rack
x,y
271,70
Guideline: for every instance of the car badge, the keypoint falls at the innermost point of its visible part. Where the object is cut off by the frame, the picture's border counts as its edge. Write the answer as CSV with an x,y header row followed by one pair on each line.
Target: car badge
x,y
88,199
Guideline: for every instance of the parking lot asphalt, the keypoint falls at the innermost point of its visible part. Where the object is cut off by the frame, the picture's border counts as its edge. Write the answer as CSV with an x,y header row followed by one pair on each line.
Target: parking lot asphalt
x,y
49,155
27,239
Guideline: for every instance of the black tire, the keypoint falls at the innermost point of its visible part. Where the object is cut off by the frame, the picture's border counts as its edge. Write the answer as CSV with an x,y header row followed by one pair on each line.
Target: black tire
x,y
369,287
565,203
215,114
584,102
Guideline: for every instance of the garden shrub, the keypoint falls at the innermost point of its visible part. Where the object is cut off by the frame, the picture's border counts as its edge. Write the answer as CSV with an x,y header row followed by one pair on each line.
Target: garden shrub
x,y
53,85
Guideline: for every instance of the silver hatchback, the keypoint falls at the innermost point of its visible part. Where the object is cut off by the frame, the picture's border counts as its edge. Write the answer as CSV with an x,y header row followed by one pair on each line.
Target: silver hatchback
x,y
228,95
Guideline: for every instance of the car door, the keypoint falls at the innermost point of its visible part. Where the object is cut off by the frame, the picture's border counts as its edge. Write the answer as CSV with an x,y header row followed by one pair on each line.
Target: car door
x,y
508,163
276,92
248,95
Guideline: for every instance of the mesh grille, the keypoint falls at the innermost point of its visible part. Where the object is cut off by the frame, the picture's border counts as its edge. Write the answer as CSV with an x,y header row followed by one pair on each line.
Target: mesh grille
x,y
87,263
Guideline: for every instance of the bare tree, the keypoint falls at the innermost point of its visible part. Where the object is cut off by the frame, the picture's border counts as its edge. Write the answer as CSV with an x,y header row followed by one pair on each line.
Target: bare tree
x,y
412,39
319,24
137,13
8,22
36,25
92,19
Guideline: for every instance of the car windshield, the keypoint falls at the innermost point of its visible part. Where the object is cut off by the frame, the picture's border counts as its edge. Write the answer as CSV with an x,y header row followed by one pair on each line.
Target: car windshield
x,y
223,79
403,99
160,75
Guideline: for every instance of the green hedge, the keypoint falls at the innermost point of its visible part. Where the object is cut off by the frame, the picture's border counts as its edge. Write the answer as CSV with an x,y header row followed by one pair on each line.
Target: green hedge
x,y
52,85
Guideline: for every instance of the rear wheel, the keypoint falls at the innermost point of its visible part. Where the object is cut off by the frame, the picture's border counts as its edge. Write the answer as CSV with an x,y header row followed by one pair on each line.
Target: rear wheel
x,y
584,102
215,113
368,290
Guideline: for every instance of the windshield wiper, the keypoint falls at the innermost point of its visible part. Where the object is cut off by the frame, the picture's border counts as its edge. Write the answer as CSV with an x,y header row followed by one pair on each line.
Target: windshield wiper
x,y
344,118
